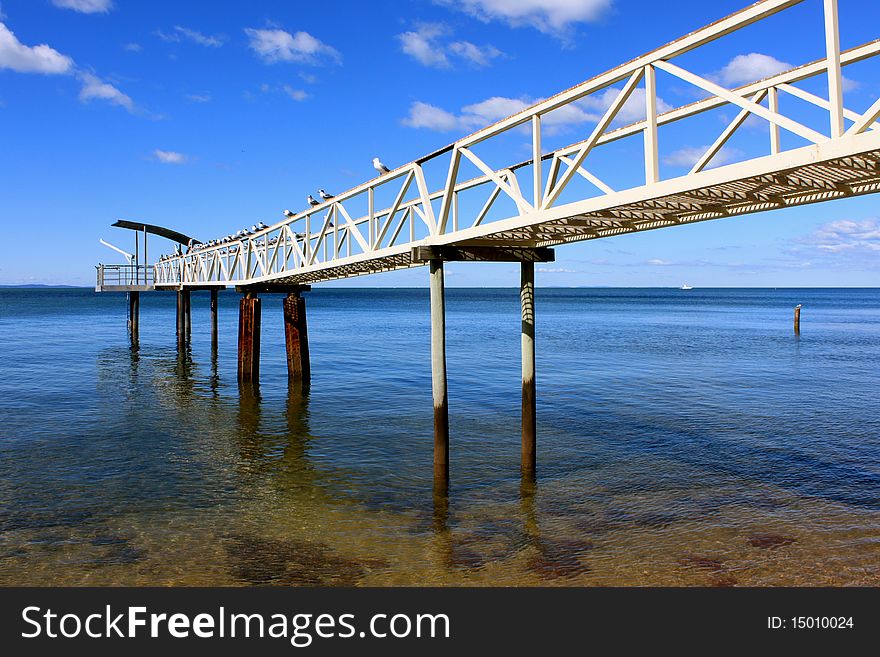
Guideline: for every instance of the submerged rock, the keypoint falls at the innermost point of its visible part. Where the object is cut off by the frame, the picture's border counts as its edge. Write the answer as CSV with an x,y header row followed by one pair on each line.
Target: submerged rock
x,y
263,561
462,558
703,563
723,581
559,559
770,541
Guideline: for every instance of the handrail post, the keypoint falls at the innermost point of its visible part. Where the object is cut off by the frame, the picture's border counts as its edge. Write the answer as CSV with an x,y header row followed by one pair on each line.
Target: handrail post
x,y
835,77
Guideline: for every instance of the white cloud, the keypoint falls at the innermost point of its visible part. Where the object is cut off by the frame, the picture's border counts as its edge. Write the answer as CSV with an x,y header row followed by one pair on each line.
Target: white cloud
x,y
296,94
633,110
486,112
85,6
688,156
755,66
428,44
274,45
848,236
43,59
849,84
199,98
132,47
181,33
30,59
95,88
657,262
550,16
492,109
555,270
422,45
169,157
430,117
479,56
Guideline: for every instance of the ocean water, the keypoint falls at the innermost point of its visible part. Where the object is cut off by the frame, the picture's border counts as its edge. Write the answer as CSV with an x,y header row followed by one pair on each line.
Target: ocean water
x,y
685,438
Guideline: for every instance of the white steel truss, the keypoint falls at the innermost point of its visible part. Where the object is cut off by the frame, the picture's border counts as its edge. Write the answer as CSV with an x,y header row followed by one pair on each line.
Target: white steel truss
x,y
326,242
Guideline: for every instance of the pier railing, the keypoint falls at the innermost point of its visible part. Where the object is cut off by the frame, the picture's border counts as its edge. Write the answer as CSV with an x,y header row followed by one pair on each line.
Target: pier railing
x,y
125,276
333,240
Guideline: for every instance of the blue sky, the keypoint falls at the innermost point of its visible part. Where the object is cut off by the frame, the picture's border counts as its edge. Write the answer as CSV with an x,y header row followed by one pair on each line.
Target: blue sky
x,y
207,117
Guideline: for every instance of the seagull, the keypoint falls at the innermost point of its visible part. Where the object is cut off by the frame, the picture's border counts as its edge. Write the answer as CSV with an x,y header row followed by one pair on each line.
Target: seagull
x,y
261,225
378,166
325,195
312,201
289,214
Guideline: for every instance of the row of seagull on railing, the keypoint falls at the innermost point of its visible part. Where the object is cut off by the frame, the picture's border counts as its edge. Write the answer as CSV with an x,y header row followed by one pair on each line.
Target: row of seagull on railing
x,y
194,245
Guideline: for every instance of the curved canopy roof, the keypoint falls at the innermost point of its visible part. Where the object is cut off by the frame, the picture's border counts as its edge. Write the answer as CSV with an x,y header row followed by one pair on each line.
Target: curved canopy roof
x,y
172,235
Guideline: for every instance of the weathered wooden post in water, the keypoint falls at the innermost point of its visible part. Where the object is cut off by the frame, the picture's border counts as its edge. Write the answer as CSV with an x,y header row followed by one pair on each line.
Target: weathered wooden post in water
x,y
529,406
296,338
249,338
438,375
184,321
134,311
797,319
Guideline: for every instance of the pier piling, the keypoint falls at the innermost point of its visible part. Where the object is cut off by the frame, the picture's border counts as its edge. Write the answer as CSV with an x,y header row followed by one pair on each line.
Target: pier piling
x,y
797,319
134,307
529,408
214,310
249,338
184,322
297,339
187,316
438,376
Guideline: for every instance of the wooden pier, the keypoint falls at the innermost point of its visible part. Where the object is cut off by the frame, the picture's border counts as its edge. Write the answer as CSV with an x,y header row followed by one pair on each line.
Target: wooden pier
x,y
332,240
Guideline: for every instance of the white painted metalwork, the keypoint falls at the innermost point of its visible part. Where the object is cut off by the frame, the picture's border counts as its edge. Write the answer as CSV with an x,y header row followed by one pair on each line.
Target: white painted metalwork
x,y
124,278
331,240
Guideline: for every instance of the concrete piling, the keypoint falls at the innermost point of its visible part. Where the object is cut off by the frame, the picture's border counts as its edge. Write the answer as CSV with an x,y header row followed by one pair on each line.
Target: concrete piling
x,y
529,406
438,376
214,313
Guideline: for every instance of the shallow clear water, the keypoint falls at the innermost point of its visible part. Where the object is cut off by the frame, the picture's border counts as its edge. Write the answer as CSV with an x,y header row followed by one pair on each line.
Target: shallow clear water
x,y
684,438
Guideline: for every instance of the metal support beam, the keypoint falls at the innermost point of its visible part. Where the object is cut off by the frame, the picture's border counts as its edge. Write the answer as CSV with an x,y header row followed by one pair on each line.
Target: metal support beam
x,y
652,158
272,288
537,176
296,338
438,376
482,254
529,406
835,77
249,339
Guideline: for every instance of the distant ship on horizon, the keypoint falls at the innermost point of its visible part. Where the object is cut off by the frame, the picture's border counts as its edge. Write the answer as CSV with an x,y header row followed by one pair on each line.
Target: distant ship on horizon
x,y
685,286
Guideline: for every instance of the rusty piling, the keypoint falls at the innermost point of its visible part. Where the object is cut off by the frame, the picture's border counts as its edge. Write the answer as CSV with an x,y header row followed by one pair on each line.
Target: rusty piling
x,y
249,338
296,338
